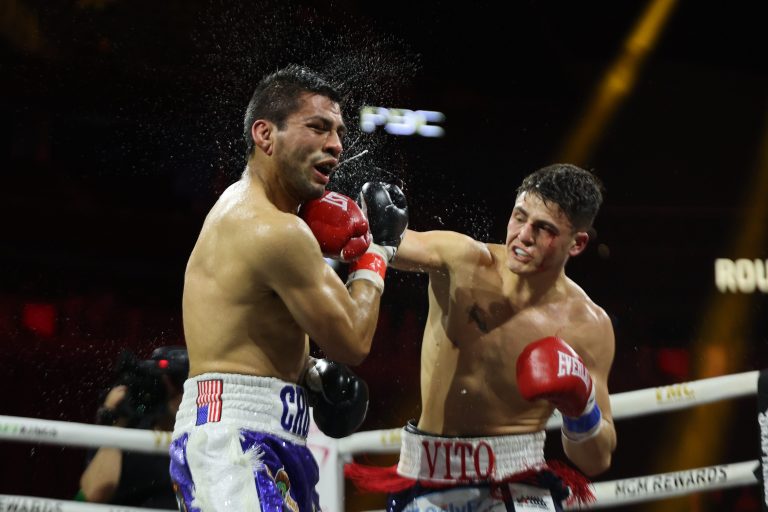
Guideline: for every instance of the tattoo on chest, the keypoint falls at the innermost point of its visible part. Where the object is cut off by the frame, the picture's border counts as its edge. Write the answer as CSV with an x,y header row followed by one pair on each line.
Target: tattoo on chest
x,y
480,317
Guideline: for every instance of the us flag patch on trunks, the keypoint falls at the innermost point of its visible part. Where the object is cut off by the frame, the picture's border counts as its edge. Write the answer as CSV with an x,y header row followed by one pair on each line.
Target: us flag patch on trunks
x,y
209,401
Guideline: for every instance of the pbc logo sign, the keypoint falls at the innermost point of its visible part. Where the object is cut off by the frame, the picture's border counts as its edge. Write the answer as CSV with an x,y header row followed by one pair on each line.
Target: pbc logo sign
x,y
402,121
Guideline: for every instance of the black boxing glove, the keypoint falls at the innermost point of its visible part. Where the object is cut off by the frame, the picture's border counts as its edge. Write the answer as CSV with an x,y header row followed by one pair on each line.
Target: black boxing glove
x,y
386,209
338,397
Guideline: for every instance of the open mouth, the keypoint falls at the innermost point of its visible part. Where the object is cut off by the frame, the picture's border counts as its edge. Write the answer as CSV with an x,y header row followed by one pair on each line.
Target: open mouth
x,y
325,169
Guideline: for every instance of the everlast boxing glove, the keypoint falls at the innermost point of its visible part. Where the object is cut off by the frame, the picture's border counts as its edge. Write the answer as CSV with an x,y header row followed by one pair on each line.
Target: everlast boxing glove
x,y
338,225
338,397
550,369
386,209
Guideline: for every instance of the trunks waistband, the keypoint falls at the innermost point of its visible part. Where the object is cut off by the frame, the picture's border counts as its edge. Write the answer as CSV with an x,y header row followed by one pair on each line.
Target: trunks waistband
x,y
259,404
438,459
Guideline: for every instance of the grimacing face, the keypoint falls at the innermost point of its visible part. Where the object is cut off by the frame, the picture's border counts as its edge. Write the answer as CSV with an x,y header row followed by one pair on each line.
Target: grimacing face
x,y
540,238
308,148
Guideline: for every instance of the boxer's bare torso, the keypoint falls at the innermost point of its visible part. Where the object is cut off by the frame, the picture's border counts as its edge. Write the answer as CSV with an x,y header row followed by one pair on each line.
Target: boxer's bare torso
x,y
234,322
489,302
481,317
486,303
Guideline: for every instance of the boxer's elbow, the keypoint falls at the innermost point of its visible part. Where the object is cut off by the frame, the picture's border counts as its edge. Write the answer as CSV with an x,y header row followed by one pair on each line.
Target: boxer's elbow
x,y
353,357
350,352
596,465
98,492
592,456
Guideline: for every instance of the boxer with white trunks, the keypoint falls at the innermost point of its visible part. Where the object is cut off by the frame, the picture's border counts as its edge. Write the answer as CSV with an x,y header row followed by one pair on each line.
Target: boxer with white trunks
x,y
257,287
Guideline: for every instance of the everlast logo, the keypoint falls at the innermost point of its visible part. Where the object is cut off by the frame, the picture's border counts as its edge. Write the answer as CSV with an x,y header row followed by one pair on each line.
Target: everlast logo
x,y
569,365
459,460
335,199
762,420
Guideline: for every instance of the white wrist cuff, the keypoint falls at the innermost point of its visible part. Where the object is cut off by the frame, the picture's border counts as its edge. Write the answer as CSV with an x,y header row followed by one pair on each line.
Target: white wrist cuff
x,y
371,266
367,275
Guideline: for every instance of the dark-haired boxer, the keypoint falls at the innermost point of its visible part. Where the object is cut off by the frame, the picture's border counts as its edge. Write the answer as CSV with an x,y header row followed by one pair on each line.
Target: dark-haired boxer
x,y
508,338
256,286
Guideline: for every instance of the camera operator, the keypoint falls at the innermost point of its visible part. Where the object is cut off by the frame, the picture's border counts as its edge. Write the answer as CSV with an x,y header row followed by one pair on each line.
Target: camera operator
x,y
146,395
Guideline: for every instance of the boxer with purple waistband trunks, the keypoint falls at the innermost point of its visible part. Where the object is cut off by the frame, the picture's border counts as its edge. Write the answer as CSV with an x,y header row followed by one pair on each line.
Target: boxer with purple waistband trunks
x,y
240,445
257,289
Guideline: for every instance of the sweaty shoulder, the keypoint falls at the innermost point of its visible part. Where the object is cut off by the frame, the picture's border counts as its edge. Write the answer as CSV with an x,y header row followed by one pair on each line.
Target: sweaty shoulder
x,y
588,323
248,227
276,235
582,308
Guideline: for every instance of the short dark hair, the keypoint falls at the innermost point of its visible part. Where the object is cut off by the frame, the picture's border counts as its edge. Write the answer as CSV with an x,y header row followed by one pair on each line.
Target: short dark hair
x,y
577,192
277,96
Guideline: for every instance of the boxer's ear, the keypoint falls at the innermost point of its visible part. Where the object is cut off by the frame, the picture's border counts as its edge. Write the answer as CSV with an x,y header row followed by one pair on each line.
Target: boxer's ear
x,y
580,241
261,133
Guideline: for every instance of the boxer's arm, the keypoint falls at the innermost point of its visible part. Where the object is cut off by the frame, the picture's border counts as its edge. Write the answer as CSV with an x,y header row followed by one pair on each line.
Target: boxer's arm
x,y
593,455
99,480
341,321
428,251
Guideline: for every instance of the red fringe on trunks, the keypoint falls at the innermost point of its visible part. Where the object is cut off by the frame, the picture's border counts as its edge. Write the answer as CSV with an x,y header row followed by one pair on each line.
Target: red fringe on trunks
x,y
384,479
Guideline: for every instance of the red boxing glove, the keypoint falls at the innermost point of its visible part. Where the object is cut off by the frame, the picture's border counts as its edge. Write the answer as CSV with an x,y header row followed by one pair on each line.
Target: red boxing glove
x,y
338,224
550,369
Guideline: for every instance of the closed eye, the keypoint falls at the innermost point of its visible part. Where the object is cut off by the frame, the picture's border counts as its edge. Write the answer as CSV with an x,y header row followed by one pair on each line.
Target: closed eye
x,y
318,128
549,228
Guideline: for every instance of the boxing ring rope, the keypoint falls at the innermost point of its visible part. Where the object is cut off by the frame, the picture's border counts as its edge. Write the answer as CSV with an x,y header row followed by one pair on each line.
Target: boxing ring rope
x,y
83,435
27,503
625,405
629,404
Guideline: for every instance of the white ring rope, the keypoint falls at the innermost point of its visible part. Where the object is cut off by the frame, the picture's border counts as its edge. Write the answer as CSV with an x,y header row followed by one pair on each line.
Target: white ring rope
x,y
33,504
668,485
624,405
83,435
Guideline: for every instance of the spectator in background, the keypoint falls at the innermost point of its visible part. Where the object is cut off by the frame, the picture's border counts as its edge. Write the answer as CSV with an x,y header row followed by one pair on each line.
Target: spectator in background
x,y
146,395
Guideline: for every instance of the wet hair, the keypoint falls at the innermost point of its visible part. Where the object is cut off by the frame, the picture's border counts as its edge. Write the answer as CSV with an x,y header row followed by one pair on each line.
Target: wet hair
x,y
278,95
576,191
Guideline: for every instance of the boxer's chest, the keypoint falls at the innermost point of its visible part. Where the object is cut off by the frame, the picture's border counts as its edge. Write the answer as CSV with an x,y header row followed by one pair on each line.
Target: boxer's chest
x,y
483,312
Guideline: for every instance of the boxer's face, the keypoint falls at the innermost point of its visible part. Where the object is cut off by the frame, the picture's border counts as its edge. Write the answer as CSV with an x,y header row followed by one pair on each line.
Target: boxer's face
x,y
308,147
540,237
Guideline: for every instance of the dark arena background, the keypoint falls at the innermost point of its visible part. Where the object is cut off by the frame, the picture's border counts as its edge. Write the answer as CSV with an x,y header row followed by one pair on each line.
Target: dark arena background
x,y
122,123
